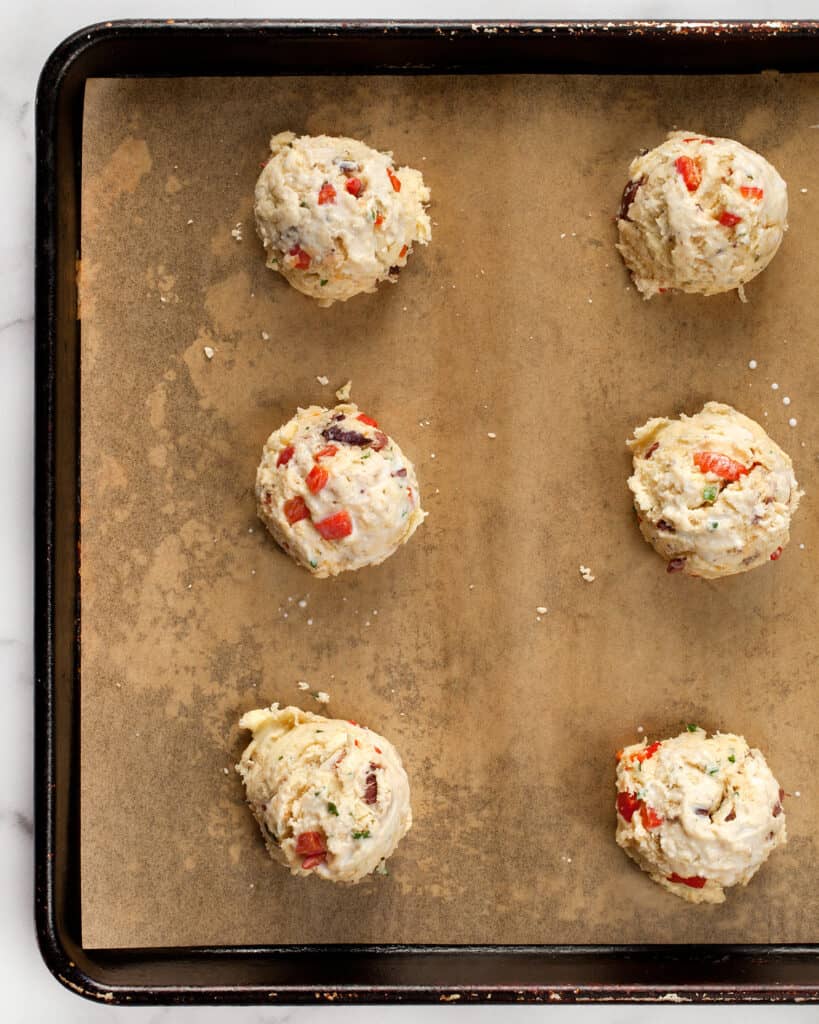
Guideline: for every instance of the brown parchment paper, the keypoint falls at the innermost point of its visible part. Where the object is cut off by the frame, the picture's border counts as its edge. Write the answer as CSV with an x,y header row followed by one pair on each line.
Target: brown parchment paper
x,y
517,320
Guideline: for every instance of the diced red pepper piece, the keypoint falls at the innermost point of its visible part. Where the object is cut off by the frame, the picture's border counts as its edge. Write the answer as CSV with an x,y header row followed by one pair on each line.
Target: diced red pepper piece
x,y
690,171
309,844
316,479
302,258
354,186
775,555
377,750
695,881
728,220
627,805
403,252
362,418
336,526
646,753
394,179
313,861
327,194
285,455
325,452
352,722
379,220
295,509
619,754
651,819
719,465
371,786
751,192
705,142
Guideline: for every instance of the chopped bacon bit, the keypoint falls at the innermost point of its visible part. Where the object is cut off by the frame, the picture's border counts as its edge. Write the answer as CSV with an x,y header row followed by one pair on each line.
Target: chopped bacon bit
x,y
731,814
664,525
334,433
777,809
690,171
775,555
719,465
326,452
705,142
366,419
395,181
295,509
619,754
316,479
646,753
627,805
285,455
751,192
308,844
354,187
651,819
781,793
371,785
352,722
301,258
695,881
327,194
651,450
379,220
676,565
313,861
728,220
400,472
268,498
380,441
336,526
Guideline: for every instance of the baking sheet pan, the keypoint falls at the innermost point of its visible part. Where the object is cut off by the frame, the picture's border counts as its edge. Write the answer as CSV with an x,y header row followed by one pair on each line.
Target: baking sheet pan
x,y
507,740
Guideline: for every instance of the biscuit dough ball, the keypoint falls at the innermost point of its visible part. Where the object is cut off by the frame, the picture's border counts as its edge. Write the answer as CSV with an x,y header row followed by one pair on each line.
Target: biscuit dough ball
x,y
700,214
336,217
335,491
698,813
331,797
714,494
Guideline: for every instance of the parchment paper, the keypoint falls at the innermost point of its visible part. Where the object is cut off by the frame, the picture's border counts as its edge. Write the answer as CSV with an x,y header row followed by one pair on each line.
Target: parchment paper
x,y
517,320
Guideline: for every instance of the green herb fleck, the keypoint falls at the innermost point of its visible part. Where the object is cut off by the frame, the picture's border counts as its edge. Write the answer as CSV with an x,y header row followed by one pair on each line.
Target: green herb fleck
x,y
313,563
332,809
691,727
713,769
323,282
710,493
373,214
713,524
319,730
362,835
732,759
302,203
281,756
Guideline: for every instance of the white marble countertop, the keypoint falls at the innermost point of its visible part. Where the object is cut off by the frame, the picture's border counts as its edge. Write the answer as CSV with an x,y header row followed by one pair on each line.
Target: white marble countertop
x,y
29,30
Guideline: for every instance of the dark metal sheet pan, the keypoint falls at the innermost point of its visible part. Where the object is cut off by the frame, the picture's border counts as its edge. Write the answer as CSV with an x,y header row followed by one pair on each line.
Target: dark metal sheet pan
x,y
305,974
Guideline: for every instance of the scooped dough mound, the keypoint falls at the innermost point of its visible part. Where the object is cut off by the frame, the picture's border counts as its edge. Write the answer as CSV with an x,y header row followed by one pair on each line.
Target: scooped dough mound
x,y
698,813
335,491
714,494
700,214
331,797
336,217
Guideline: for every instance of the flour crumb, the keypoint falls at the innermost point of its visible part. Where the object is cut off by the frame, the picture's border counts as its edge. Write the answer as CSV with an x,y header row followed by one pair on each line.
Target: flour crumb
x,y
792,421
226,771
324,381
302,685
190,221
322,697
236,231
587,574
741,293
804,191
265,336
492,435
752,364
541,609
209,352
343,393
302,602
